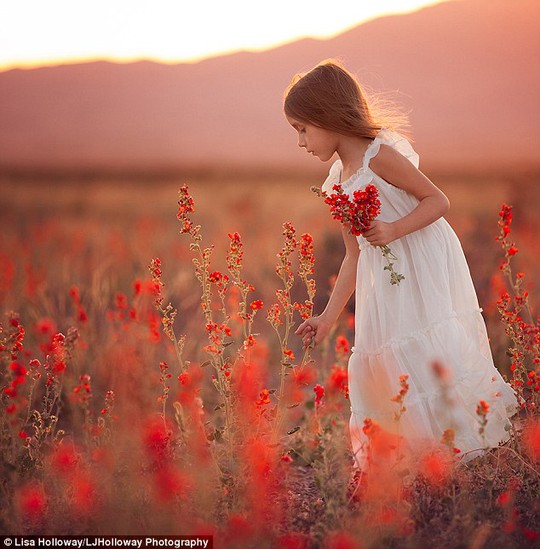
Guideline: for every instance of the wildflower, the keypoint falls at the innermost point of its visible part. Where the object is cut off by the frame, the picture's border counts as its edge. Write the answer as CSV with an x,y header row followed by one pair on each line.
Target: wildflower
x,y
84,494
184,378
14,336
358,214
65,459
448,438
120,300
319,393
505,498
264,397
303,376
509,247
109,403
283,267
436,468
304,309
529,534
155,270
75,295
273,316
404,389
482,410
289,353
340,540
32,502
342,345
45,326
441,373
58,353
256,305
235,255
186,206
338,380
81,315
83,391
531,438
156,437
400,397
307,267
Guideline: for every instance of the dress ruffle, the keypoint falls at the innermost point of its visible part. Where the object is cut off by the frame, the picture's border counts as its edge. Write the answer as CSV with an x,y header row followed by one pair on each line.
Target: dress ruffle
x,y
437,399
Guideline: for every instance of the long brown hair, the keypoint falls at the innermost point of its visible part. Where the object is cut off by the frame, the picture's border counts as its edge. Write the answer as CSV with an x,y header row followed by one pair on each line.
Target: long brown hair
x,y
330,97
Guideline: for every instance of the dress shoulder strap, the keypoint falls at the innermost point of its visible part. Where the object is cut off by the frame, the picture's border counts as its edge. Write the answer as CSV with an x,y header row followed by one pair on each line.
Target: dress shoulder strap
x,y
394,140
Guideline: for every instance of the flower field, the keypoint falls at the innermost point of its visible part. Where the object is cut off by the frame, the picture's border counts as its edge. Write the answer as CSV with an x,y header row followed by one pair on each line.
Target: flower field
x,y
152,383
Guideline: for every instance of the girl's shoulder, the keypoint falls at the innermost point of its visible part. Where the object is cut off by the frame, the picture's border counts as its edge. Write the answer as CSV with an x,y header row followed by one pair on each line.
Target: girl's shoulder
x,y
394,141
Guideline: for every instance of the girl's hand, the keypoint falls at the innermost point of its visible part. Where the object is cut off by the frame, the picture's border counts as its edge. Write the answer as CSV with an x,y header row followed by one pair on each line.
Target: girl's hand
x,y
313,330
380,233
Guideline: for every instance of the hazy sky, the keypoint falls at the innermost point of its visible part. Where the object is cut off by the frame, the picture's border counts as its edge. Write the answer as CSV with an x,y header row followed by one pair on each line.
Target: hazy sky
x,y
42,32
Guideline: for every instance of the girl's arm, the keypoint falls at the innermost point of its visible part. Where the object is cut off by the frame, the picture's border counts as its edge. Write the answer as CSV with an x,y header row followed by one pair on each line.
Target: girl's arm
x,y
317,328
397,170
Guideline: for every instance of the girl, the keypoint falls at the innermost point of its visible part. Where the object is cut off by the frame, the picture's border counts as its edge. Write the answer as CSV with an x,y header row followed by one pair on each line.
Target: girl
x,y
429,326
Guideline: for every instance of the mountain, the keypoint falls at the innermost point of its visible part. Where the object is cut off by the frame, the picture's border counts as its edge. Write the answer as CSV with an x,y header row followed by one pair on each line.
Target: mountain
x,y
467,70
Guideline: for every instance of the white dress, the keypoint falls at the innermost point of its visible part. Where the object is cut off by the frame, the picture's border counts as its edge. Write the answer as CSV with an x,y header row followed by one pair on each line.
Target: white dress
x,y
432,315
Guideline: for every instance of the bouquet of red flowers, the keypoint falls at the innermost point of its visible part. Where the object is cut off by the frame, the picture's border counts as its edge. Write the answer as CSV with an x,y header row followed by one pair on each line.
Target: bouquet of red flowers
x,y
358,214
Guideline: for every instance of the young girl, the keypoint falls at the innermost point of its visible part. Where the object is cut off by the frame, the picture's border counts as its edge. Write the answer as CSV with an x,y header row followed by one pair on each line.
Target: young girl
x,y
429,326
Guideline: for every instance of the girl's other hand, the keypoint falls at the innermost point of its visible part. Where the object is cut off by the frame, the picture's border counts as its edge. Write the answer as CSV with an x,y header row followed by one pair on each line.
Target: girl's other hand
x,y
380,233
313,331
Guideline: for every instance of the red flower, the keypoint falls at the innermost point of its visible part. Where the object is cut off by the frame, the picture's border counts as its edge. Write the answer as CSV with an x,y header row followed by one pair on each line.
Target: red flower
x,y
483,408
65,459
156,437
169,483
264,397
531,438
289,353
184,378
342,345
32,502
436,468
339,380
358,214
186,206
319,393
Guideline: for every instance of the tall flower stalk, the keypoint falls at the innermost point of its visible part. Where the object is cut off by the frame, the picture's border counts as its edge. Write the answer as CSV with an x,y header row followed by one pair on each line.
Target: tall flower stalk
x,y
281,314
218,319
524,335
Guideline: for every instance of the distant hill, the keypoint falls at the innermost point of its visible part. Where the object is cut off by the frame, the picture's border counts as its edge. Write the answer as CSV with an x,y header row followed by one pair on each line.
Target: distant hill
x,y
468,71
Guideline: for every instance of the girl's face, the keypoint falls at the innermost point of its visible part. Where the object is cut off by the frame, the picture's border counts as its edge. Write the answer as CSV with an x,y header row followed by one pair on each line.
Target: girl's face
x,y
317,141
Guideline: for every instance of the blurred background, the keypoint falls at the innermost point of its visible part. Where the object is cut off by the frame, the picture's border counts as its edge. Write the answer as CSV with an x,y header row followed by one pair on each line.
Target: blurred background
x,y
107,107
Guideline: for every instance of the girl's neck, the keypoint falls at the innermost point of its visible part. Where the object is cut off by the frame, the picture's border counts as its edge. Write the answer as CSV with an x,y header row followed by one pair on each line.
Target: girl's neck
x,y
351,152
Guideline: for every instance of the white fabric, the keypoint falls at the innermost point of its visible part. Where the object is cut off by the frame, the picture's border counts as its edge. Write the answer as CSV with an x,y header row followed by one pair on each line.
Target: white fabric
x,y
433,314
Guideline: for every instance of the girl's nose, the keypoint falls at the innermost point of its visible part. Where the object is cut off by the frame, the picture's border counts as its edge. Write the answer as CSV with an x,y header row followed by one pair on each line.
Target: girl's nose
x,y
301,142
